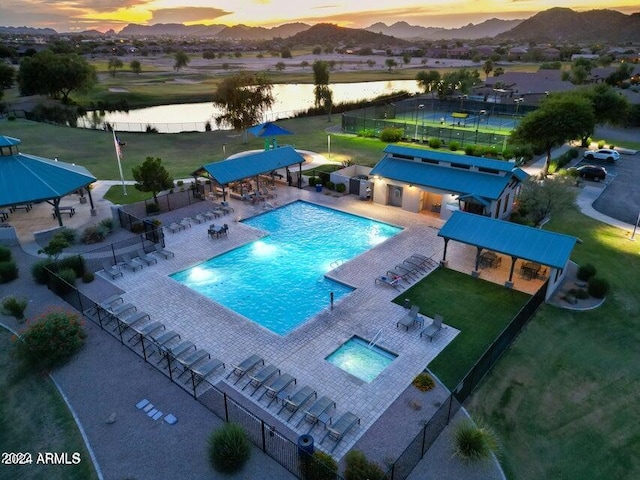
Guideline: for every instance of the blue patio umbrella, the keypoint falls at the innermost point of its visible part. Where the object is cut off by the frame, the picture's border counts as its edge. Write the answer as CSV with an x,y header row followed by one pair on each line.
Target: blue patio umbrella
x,y
268,129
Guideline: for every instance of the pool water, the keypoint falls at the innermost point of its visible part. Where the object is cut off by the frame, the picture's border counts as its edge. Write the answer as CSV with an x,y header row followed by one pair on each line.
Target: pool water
x,y
278,281
357,357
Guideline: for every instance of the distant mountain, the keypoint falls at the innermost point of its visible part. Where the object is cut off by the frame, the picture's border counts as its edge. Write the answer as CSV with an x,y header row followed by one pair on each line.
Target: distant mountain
x,y
565,25
261,33
28,31
219,31
324,33
488,28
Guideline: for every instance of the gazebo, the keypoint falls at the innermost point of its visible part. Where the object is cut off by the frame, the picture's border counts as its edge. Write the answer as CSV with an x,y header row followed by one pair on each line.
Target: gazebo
x,y
26,179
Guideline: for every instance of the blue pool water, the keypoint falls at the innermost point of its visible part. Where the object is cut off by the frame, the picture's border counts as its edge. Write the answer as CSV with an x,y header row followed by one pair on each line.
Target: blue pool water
x,y
356,357
278,281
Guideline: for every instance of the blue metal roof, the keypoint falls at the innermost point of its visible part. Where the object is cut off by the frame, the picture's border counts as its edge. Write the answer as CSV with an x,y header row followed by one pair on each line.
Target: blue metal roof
x,y
8,141
528,243
436,155
27,178
253,164
450,179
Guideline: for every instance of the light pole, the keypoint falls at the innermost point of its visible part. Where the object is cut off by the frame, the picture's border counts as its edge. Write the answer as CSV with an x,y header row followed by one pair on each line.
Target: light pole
x,y
419,107
224,150
518,102
635,227
329,144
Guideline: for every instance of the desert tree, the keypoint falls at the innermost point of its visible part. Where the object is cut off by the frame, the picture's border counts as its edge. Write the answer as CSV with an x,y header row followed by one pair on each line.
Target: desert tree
x,y
181,60
136,67
152,177
114,65
321,91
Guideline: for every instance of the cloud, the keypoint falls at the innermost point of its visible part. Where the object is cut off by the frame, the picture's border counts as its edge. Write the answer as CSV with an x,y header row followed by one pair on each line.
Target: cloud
x,y
96,5
187,15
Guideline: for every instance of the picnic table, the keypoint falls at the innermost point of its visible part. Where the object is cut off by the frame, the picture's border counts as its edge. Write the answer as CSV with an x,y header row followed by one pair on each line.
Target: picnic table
x,y
4,215
530,270
71,210
26,207
490,259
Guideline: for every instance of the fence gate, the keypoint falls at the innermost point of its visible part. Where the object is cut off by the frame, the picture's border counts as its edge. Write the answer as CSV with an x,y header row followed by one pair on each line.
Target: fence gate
x,y
354,186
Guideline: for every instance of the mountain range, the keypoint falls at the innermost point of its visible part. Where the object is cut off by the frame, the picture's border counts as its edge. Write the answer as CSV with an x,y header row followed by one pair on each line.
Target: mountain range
x,y
555,25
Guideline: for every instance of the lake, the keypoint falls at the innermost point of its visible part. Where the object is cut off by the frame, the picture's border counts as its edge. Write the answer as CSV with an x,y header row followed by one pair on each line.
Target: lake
x,y
289,99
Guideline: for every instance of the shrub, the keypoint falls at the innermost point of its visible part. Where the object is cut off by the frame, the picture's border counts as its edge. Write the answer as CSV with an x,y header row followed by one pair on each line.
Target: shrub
x,y
341,188
434,142
51,340
598,287
473,442
14,306
93,234
64,282
8,271
38,271
424,382
76,263
107,224
601,143
67,234
454,145
313,181
585,272
359,468
5,254
229,448
391,135
469,150
137,227
330,185
320,466
88,277
573,152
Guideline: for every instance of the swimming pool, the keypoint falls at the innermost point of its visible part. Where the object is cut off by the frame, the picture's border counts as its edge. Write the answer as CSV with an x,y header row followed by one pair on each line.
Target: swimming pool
x,y
361,359
278,281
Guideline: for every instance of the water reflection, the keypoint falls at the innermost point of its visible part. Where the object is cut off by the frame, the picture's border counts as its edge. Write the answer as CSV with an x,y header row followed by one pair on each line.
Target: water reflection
x,y
289,99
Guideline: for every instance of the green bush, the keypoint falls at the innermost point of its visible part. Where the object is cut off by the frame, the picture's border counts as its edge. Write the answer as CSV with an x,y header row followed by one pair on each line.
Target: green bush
x,y
229,448
391,135
454,145
88,277
14,306
320,466
8,271
359,468
179,183
313,181
469,150
424,382
330,185
598,287
38,272
341,188
76,263
585,272
601,143
93,234
473,442
64,282
51,340
573,152
107,223
5,254
434,142
67,234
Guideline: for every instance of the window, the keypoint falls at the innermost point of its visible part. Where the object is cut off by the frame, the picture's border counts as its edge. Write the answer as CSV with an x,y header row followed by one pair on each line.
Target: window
x,y
506,204
459,165
488,170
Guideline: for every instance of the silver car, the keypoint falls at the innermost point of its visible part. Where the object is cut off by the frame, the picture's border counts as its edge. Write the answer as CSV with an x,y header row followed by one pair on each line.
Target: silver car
x,y
605,154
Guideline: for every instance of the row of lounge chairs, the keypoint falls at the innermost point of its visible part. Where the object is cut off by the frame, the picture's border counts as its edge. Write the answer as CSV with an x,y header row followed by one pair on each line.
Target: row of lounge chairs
x,y
275,385
413,319
135,263
217,211
412,268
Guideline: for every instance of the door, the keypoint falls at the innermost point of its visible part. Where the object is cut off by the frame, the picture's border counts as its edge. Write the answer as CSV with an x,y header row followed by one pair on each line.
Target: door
x,y
395,195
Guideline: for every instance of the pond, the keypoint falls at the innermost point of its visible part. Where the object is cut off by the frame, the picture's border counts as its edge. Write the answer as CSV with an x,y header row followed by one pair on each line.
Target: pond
x,y
289,99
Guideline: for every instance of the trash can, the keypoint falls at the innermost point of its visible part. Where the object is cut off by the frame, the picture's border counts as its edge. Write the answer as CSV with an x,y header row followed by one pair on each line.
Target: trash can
x,y
318,187
305,444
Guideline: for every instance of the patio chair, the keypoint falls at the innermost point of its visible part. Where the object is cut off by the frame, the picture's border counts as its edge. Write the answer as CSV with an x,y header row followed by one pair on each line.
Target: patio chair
x,y
424,261
275,387
199,218
246,365
145,330
130,319
338,430
172,353
432,329
131,263
174,227
163,251
296,401
185,222
261,376
112,270
317,411
198,374
145,257
407,271
413,265
390,281
401,272
190,361
211,214
410,319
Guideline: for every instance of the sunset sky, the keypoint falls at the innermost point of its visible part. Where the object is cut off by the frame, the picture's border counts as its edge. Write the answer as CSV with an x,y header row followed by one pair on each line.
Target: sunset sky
x,y
78,15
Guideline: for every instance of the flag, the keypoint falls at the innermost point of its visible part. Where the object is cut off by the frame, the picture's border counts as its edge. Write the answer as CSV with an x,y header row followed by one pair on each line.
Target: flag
x,y
118,145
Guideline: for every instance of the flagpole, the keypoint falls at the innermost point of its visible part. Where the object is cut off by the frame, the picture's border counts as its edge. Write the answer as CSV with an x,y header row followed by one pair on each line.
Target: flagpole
x,y
117,146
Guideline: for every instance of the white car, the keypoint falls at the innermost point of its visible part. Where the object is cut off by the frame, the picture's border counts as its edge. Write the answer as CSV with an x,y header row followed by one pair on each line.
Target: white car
x,y
602,154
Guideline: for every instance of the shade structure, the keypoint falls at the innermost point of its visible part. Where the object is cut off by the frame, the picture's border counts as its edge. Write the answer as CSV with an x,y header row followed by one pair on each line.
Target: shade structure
x,y
268,129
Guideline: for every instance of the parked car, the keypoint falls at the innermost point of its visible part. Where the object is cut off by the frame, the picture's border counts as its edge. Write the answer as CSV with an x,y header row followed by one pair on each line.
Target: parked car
x,y
592,172
602,154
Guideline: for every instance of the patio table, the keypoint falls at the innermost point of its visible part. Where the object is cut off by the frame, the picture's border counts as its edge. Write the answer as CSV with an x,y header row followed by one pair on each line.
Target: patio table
x,y
530,270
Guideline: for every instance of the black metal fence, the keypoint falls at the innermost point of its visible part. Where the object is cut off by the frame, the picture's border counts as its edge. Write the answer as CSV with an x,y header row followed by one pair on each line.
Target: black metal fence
x,y
168,201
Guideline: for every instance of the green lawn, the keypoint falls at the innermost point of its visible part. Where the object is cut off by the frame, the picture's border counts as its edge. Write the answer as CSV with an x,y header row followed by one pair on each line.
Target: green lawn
x,y
33,419
564,398
116,195
479,309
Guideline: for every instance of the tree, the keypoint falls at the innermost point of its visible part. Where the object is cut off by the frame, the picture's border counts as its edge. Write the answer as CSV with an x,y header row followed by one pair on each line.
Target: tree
x,y
304,64
280,66
244,98
623,72
390,63
579,75
608,106
487,68
539,199
428,80
181,60
152,177
317,50
7,74
406,58
55,75
498,71
285,52
559,118
114,64
322,92
135,66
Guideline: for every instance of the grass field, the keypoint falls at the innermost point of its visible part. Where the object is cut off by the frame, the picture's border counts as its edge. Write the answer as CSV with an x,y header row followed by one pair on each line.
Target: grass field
x,y
33,419
479,309
564,398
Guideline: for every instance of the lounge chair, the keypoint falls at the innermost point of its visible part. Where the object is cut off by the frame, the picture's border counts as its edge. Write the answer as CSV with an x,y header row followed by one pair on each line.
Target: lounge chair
x,y
198,374
422,260
408,271
338,430
317,411
145,257
163,251
145,330
131,263
105,304
391,281
199,218
112,270
246,365
413,264
261,376
410,319
211,214
401,272
432,329
294,402
185,222
172,353
191,360
276,386
130,319
174,227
